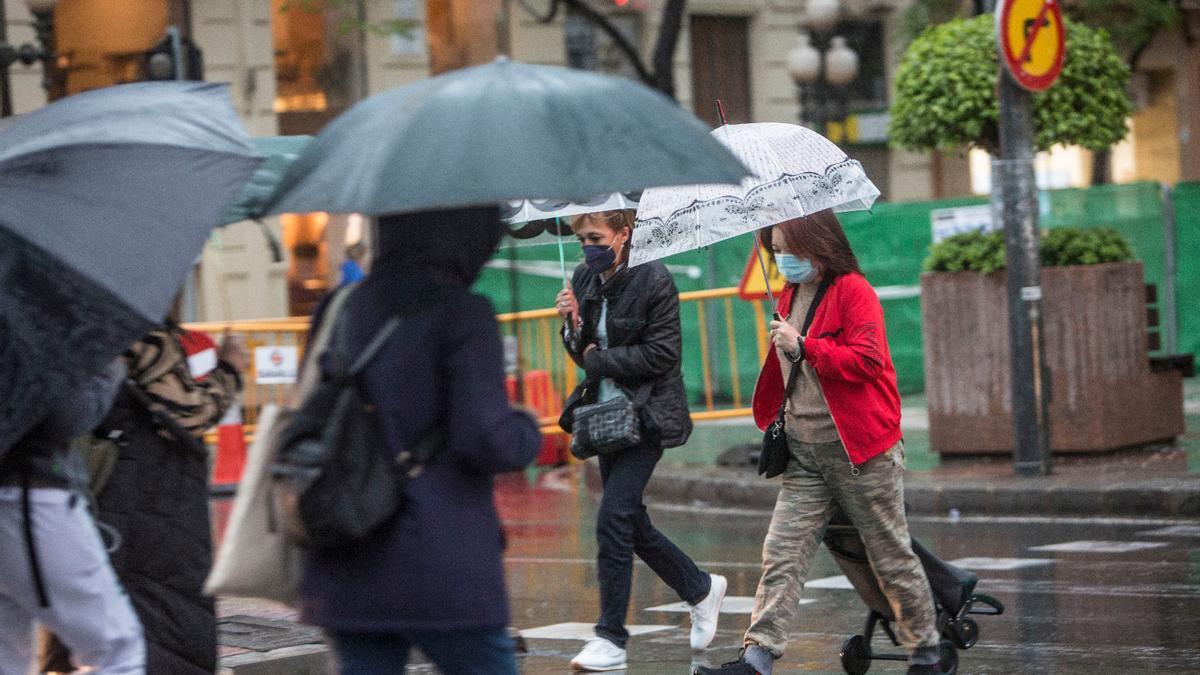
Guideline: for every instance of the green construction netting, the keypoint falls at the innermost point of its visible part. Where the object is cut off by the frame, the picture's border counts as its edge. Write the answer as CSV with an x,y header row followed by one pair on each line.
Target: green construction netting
x,y
1186,198
891,242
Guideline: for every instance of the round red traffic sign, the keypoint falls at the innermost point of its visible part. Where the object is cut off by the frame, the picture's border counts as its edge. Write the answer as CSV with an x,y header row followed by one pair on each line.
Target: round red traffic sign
x,y
1032,41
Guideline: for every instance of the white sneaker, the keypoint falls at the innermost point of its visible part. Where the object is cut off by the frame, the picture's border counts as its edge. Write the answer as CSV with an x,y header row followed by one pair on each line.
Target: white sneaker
x,y
599,654
705,613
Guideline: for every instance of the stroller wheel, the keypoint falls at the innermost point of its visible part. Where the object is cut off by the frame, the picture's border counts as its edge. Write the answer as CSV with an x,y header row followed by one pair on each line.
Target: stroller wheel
x,y
947,658
856,655
963,633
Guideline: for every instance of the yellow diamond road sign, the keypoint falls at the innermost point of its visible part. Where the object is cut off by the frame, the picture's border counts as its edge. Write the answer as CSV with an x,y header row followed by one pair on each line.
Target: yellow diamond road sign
x,y
1032,41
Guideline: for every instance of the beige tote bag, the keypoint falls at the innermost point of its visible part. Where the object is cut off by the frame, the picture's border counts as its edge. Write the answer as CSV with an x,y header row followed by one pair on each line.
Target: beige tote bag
x,y
255,559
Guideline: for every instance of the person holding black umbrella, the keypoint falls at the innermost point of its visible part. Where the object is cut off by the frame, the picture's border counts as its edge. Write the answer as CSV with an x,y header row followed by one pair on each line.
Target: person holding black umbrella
x,y
623,329
433,576
53,567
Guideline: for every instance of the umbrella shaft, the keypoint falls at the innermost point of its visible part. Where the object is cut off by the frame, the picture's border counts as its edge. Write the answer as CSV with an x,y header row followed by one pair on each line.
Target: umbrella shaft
x,y
763,266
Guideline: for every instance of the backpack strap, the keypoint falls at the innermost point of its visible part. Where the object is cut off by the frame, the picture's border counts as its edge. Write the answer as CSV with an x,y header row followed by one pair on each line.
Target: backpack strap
x,y
374,346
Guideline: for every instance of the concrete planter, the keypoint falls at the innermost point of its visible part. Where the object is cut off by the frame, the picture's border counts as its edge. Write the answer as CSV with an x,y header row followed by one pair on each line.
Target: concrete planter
x,y
1103,395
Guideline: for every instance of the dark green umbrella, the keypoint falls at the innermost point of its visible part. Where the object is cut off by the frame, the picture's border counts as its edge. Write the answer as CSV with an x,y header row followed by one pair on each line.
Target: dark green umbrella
x,y
498,132
279,152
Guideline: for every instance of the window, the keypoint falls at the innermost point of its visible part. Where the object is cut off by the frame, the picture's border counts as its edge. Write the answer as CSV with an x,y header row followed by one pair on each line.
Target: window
x,y
868,91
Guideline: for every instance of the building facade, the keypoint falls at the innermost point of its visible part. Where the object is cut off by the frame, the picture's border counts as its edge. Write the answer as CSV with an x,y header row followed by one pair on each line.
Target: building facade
x,y
293,65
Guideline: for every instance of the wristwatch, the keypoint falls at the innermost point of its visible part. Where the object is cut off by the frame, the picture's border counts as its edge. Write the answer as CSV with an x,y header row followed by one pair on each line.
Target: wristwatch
x,y
798,355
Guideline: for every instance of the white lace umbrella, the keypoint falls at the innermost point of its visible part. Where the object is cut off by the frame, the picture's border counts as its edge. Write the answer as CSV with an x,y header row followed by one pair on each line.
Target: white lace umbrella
x,y
533,222
526,211
796,172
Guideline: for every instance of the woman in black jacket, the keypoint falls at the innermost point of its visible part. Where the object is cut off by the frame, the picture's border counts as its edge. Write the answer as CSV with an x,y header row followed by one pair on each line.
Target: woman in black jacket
x,y
621,325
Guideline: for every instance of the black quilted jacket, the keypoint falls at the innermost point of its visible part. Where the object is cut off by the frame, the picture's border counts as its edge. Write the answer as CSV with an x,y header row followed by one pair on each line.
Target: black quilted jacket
x,y
644,342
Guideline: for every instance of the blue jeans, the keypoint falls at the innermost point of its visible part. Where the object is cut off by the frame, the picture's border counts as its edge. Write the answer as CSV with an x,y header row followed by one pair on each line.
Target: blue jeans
x,y
623,528
454,652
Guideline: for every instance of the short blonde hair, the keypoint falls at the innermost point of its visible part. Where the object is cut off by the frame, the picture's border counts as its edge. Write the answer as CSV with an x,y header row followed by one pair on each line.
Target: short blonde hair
x,y
613,220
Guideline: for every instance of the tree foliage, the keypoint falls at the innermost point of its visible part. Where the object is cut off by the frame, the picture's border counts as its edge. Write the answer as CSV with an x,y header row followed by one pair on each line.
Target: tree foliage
x,y
946,91
1132,24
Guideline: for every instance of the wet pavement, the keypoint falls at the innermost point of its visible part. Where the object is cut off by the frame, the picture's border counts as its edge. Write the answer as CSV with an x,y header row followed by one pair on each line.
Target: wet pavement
x,y
1068,611
1082,595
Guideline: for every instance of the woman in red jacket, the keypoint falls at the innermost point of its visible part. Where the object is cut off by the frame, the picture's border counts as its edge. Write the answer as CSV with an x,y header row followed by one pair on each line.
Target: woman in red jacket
x,y
842,422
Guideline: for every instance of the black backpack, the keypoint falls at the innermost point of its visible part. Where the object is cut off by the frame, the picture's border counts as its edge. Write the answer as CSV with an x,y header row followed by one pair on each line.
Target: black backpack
x,y
333,479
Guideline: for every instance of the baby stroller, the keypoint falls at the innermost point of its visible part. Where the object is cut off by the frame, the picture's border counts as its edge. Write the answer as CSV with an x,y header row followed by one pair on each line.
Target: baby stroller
x,y
953,593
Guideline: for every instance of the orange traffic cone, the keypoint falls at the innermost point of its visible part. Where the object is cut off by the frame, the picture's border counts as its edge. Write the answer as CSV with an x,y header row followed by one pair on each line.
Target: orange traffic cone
x,y
231,451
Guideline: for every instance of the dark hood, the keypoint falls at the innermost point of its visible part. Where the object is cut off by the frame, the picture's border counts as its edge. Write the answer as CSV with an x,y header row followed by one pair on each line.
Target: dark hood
x,y
450,246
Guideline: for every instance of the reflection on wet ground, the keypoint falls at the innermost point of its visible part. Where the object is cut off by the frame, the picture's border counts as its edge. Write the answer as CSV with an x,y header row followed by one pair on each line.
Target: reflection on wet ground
x,y
1096,596
1087,609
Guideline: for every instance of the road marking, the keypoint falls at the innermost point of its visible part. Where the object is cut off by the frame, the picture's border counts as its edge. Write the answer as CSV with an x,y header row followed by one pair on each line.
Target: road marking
x,y
839,582
1000,564
1086,546
1173,531
734,604
574,630
592,561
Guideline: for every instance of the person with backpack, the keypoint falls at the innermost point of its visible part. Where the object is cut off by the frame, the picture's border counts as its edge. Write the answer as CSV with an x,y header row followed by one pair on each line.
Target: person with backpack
x,y
841,420
431,576
53,567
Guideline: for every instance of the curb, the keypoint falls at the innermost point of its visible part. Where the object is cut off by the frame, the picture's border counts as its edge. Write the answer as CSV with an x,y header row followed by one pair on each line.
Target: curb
x,y
1040,496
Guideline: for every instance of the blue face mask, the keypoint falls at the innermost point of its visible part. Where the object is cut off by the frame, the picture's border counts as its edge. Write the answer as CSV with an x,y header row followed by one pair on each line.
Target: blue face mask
x,y
795,270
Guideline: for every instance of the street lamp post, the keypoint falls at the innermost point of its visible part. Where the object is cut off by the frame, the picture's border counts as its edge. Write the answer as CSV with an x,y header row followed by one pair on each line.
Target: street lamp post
x,y
821,64
42,50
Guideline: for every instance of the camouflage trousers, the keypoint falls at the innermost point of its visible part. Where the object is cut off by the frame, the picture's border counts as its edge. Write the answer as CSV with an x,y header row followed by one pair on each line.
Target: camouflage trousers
x,y
818,480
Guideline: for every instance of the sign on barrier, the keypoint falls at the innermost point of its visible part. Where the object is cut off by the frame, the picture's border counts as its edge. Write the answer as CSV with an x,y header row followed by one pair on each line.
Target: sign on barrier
x,y
276,365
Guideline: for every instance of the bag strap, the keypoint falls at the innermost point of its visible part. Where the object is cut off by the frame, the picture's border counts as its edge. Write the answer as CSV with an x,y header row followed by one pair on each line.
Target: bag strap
x,y
808,319
643,395
310,372
374,346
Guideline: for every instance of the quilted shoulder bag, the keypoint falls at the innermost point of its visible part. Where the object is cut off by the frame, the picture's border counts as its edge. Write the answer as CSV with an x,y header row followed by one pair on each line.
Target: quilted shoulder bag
x,y
608,426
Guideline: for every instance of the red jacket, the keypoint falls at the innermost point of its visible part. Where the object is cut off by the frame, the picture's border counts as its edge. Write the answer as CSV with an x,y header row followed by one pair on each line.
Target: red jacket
x,y
847,347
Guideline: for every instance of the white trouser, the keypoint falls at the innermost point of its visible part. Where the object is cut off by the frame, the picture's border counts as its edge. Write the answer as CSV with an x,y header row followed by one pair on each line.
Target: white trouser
x,y
88,609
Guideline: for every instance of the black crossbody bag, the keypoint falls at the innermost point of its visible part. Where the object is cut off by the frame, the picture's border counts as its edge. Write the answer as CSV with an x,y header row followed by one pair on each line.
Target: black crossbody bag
x,y
773,459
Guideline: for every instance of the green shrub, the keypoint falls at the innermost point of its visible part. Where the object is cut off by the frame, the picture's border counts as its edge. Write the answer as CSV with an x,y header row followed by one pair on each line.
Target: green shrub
x,y
984,252
1084,246
968,252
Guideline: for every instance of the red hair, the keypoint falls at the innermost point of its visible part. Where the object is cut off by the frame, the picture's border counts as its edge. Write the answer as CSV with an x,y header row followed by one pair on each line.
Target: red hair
x,y
819,237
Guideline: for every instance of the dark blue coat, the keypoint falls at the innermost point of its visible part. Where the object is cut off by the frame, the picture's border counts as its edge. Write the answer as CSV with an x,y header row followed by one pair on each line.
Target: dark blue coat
x,y
438,566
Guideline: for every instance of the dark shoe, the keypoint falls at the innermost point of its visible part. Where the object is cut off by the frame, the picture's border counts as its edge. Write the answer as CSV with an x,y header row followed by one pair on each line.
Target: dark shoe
x,y
924,669
739,667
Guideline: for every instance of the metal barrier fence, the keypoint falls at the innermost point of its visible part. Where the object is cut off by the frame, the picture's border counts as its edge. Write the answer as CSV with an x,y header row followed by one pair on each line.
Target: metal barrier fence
x,y
541,351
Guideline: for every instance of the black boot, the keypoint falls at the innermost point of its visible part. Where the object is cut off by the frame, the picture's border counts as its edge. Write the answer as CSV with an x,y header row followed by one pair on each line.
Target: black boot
x,y
924,669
